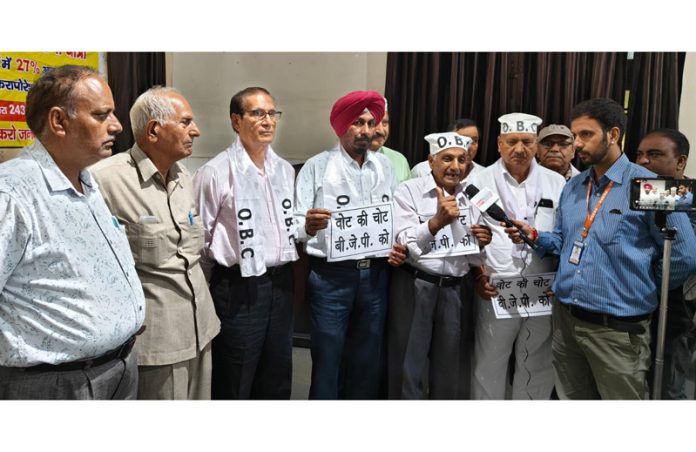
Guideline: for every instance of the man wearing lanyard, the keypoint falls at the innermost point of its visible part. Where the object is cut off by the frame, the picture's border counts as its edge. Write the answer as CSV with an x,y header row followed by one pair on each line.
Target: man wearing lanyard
x,y
348,298
245,198
151,195
606,286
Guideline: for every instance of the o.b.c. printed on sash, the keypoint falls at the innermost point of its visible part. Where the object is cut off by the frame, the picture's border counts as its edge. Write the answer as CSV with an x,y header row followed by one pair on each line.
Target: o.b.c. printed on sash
x,y
360,232
522,296
455,239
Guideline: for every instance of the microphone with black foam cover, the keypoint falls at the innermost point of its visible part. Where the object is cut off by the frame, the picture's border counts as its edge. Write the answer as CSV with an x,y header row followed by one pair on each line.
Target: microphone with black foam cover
x,y
498,214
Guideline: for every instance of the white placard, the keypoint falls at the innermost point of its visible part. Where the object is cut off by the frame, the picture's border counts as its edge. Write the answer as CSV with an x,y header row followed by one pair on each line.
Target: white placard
x,y
455,239
522,296
360,232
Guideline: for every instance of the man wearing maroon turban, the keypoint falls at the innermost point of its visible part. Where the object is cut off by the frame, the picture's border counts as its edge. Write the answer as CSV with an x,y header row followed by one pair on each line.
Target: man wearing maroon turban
x,y
348,298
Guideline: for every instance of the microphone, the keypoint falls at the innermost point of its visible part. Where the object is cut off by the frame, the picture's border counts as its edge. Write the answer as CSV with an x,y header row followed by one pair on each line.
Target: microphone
x,y
498,214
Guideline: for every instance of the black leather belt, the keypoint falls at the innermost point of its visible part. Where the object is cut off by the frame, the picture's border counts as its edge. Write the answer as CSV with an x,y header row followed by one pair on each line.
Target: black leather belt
x,y
440,281
360,264
626,324
118,353
236,272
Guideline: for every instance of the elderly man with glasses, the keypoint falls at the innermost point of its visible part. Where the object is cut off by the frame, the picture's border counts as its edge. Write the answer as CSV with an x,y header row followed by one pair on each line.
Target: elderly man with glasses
x,y
556,151
245,200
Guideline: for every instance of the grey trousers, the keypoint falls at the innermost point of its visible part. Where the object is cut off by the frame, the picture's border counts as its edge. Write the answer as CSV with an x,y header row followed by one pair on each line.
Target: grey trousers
x,y
423,322
494,341
185,380
114,380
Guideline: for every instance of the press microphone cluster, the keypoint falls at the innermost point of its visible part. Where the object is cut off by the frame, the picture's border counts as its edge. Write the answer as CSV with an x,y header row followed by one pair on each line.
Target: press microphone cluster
x,y
498,214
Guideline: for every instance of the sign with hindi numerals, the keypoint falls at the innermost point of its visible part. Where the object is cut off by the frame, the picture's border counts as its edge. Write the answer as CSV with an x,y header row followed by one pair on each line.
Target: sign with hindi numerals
x,y
361,232
18,70
524,296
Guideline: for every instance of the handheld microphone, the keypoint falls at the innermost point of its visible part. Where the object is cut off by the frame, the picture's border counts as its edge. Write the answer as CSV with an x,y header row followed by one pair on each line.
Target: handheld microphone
x,y
498,214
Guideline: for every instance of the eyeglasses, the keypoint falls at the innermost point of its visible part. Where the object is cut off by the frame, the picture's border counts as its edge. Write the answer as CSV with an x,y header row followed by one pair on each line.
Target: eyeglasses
x,y
561,144
259,114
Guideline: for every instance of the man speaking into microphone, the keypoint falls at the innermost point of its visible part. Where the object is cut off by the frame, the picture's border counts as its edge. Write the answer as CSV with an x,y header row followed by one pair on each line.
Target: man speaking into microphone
x,y
435,221
530,191
606,285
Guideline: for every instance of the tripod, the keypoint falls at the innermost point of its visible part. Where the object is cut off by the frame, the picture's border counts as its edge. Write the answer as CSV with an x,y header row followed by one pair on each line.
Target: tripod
x,y
669,234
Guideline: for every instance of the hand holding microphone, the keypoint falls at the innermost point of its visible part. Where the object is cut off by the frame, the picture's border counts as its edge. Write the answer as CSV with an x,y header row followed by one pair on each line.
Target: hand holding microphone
x,y
517,230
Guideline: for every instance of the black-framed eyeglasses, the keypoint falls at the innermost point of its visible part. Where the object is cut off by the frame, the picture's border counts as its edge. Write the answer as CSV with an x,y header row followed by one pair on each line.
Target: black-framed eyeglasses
x,y
259,114
551,144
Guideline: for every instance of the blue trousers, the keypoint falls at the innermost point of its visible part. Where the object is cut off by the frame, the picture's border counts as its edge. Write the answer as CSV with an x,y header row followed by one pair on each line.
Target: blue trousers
x,y
348,310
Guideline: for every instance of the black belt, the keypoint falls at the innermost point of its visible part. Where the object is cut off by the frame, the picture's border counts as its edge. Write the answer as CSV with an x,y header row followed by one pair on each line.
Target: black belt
x,y
440,281
236,272
118,353
359,264
626,324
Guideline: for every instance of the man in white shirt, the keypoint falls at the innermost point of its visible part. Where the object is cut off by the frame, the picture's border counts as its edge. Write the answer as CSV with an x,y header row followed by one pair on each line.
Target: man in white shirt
x,y
245,199
434,220
70,299
526,190
348,298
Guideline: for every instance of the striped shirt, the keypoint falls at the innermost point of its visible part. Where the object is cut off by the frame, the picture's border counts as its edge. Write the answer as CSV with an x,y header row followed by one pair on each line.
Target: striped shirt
x,y
621,261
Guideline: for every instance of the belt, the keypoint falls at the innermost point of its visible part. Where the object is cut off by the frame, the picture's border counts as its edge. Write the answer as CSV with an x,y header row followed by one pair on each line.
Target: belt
x,y
440,281
118,353
625,324
236,272
360,264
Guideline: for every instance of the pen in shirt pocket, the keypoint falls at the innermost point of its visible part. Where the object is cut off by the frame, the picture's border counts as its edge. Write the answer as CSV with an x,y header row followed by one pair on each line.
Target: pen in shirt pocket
x,y
190,217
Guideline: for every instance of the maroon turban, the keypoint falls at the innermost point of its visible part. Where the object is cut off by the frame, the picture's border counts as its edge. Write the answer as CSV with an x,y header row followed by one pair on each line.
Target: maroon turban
x,y
351,106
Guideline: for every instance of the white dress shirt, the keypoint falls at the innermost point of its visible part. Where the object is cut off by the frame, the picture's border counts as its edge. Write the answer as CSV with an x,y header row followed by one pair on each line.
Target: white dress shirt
x,y
415,199
215,201
68,286
374,177
499,259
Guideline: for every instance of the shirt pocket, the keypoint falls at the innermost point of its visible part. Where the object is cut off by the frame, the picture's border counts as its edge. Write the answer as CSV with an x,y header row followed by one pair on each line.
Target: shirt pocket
x,y
192,237
544,218
607,227
149,243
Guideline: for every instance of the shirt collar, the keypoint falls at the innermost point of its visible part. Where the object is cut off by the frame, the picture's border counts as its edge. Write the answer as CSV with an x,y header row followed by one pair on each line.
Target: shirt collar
x,y
245,161
510,179
348,160
147,167
615,172
54,177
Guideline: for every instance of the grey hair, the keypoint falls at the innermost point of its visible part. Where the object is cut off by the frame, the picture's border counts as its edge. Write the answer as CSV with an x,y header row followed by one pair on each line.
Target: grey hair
x,y
152,105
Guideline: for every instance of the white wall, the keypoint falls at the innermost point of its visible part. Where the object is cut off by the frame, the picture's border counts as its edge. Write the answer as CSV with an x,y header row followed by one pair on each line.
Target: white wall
x,y
304,85
687,110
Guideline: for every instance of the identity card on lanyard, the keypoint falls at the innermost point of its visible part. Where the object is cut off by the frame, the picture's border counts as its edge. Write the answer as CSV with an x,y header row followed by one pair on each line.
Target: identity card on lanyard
x,y
579,245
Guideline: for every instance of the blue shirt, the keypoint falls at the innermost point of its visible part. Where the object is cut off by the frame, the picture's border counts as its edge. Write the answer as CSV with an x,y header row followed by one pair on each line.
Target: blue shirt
x,y
619,270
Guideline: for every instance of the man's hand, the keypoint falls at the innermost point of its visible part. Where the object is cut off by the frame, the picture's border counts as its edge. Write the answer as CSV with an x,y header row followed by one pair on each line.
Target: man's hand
x,y
483,234
397,255
484,287
316,220
514,234
447,211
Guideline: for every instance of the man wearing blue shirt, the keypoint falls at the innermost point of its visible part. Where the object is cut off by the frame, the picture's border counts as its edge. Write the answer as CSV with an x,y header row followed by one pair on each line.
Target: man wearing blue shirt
x,y
606,285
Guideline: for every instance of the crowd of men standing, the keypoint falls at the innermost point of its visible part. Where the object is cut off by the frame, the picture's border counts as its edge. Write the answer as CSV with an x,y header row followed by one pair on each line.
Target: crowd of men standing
x,y
126,277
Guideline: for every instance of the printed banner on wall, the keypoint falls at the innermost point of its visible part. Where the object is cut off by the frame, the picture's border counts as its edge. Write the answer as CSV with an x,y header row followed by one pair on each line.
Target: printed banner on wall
x,y
18,70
